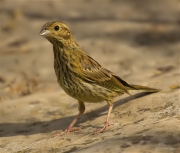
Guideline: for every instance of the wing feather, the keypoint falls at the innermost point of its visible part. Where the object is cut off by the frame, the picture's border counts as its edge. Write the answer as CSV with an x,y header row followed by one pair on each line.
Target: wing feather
x,y
93,72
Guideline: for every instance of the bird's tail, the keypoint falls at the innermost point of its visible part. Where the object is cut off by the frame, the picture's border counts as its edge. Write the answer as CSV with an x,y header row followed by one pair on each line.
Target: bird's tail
x,y
144,88
128,86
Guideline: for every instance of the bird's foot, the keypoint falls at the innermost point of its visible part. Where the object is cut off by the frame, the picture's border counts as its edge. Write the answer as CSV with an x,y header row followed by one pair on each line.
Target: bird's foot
x,y
104,128
69,129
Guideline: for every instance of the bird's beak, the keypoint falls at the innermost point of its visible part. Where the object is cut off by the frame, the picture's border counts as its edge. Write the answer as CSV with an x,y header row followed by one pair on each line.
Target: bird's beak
x,y
44,33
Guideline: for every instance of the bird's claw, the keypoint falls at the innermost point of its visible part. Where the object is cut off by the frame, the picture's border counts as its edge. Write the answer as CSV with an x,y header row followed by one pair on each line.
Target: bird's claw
x,y
104,128
69,129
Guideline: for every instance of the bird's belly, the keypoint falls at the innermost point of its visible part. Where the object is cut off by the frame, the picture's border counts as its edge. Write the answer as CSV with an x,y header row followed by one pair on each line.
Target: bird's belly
x,y
83,91
88,92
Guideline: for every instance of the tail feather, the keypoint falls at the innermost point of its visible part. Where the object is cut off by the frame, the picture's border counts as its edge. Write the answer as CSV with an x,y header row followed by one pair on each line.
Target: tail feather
x,y
135,87
146,89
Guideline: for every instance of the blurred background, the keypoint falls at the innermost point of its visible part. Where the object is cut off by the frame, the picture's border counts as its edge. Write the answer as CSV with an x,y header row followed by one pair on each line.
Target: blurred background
x,y
139,40
127,37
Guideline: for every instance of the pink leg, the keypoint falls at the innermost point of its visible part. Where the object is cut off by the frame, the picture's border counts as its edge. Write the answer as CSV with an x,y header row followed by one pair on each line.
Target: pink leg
x,y
70,127
107,121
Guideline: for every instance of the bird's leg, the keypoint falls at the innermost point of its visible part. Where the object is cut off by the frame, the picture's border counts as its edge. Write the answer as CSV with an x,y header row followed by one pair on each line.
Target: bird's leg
x,y
81,111
107,120
70,127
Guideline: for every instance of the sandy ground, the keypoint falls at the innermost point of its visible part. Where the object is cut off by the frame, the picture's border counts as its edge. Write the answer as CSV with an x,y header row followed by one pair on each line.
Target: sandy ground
x,y
137,40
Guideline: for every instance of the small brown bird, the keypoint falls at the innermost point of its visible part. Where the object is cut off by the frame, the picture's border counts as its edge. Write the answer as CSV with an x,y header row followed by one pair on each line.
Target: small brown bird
x,y
80,75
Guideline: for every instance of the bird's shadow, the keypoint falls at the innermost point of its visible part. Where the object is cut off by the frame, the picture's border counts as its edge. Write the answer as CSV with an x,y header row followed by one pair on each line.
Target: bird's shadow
x,y
30,128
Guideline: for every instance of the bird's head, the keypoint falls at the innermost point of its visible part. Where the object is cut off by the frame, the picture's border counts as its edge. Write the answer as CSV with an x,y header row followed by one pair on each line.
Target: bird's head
x,y
56,31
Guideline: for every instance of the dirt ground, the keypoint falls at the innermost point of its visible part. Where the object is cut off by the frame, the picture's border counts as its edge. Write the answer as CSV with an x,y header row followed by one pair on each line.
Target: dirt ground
x,y
137,40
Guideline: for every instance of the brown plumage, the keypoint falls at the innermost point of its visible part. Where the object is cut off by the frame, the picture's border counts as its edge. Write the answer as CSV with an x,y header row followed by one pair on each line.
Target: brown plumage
x,y
80,75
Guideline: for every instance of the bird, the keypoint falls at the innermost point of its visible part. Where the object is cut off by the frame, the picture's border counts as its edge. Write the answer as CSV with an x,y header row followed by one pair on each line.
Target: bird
x,y
82,77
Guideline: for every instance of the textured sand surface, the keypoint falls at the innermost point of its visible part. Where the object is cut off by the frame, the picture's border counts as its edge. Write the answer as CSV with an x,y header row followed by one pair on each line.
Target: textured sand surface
x,y
137,40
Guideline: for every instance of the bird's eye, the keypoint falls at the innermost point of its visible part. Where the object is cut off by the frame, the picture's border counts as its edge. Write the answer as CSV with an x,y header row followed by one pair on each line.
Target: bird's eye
x,y
56,28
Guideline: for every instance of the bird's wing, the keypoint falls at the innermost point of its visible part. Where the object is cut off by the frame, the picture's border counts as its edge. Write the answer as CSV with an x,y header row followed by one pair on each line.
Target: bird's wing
x,y
93,72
